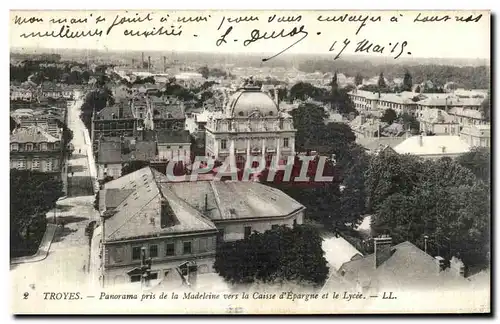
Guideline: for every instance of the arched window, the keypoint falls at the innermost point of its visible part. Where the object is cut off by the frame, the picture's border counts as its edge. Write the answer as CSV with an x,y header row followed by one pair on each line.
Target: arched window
x,y
240,113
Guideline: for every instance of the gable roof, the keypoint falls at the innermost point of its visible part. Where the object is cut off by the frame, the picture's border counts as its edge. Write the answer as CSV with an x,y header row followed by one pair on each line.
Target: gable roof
x,y
408,265
139,214
432,145
32,134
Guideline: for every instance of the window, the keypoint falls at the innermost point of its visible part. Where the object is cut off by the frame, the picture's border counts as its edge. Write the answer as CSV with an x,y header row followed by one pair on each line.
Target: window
x,y
273,227
248,231
170,249
187,248
14,147
153,251
223,144
48,165
203,244
21,165
36,164
294,222
285,142
135,278
29,147
180,147
168,146
136,253
153,276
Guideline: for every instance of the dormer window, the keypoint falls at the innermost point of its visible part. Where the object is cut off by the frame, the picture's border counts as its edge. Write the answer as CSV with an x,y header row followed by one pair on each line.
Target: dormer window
x,y
14,147
240,113
29,147
270,113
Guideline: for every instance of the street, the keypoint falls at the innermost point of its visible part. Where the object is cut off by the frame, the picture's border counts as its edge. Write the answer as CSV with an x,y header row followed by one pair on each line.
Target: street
x,y
67,264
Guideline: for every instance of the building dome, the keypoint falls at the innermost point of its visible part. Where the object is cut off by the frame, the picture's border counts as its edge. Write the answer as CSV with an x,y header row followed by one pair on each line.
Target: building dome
x,y
251,101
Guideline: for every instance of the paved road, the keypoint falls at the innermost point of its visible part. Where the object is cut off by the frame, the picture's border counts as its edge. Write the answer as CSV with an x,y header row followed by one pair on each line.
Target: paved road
x,y
81,173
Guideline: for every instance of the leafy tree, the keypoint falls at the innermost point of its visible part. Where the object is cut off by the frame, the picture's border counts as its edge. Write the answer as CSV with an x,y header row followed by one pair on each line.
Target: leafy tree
x,y
275,256
441,199
306,118
304,90
407,81
389,116
204,71
410,122
358,79
32,195
478,161
486,108
95,100
133,166
381,81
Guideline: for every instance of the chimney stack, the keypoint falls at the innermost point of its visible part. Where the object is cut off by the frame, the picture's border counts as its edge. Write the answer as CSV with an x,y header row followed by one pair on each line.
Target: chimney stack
x,y
382,246
149,63
164,64
420,140
457,267
142,60
439,263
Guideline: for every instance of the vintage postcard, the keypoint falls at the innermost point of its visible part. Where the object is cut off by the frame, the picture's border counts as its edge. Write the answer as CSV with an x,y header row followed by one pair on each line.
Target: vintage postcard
x,y
250,162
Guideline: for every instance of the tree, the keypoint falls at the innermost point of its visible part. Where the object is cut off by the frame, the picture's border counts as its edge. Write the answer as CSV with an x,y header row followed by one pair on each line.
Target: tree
x,y
304,90
486,108
275,256
407,81
204,71
381,81
389,116
306,119
409,122
358,79
478,161
32,195
133,166
441,199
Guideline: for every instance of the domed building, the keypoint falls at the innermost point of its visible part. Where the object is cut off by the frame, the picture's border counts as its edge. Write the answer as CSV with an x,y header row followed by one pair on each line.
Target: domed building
x,y
251,124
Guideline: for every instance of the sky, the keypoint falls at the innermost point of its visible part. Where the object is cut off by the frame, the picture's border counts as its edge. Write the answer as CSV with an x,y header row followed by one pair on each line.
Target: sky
x,y
439,39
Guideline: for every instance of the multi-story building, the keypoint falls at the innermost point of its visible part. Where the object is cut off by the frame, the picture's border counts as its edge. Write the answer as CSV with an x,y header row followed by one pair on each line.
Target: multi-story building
x,y
116,121
437,122
251,124
178,222
33,148
476,135
166,113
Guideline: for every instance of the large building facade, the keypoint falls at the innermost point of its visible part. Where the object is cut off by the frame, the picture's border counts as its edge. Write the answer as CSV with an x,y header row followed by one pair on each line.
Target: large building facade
x,y
250,125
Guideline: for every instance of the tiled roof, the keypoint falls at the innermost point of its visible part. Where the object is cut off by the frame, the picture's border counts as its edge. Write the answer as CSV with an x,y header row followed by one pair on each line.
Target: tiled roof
x,y
107,112
168,136
236,200
407,266
436,116
464,112
166,110
139,215
109,152
432,145
373,144
32,134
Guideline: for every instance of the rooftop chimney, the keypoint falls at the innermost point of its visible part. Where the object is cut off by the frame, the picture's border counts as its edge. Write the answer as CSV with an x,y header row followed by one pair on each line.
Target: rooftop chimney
x,y
120,111
167,215
164,64
457,267
149,63
382,245
420,140
443,149
142,60
439,263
